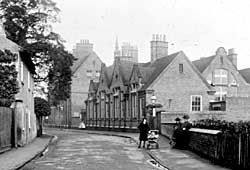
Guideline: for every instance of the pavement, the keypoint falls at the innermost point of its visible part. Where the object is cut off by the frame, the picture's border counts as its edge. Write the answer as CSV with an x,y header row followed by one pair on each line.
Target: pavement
x,y
166,156
18,157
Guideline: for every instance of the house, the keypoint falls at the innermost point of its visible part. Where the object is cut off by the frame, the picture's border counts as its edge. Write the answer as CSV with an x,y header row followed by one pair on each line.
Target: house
x,y
231,85
125,90
24,107
87,67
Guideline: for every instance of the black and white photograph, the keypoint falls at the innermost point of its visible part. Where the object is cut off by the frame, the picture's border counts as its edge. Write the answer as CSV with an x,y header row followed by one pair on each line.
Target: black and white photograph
x,y
124,85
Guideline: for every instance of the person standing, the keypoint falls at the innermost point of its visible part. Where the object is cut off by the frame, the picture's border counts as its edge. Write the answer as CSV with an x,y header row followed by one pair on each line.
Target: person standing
x,y
143,128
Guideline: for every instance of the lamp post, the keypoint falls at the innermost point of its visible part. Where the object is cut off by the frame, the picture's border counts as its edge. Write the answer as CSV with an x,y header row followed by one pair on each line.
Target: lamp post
x,y
60,110
152,106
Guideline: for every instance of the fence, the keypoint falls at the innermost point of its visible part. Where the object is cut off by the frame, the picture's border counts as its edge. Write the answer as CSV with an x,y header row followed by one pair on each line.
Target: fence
x,y
227,148
5,128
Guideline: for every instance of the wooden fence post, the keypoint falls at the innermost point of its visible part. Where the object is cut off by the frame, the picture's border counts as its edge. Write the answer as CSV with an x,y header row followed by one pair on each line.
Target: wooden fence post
x,y
13,126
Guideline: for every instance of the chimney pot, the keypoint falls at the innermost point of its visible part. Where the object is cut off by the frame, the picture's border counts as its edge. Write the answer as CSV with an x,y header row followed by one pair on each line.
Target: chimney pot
x,y
164,38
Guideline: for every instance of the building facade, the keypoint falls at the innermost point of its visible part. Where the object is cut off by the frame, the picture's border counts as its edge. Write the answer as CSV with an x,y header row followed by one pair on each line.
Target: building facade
x,y
87,67
24,107
211,87
231,85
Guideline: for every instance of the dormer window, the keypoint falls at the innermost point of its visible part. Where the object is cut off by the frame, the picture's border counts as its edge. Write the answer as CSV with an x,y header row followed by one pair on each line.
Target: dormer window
x,y
102,95
116,91
133,87
220,77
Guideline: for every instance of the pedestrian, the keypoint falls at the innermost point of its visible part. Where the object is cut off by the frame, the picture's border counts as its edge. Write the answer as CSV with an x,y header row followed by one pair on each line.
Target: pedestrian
x,y
143,128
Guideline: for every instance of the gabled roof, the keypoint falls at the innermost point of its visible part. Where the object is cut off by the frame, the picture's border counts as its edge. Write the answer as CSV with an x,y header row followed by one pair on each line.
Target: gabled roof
x,y
104,80
125,70
245,73
200,75
7,44
145,73
93,86
79,62
158,66
203,63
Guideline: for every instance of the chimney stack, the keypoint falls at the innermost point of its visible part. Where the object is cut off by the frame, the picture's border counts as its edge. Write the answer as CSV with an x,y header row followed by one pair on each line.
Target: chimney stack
x,y
80,49
232,56
159,47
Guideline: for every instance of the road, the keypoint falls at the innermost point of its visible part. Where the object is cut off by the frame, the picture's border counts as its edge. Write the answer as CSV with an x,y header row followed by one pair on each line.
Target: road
x,y
77,150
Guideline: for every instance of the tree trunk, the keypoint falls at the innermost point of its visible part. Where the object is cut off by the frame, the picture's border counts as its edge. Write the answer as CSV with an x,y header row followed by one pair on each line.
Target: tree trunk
x,y
40,130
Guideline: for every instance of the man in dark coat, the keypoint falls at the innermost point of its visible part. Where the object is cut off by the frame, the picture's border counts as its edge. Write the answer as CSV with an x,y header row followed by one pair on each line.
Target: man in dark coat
x,y
143,128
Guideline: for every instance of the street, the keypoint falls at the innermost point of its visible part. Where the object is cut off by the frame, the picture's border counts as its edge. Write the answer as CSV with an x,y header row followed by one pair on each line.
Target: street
x,y
79,150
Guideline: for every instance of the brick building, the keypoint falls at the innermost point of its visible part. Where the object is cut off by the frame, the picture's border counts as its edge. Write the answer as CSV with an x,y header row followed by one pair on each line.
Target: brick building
x,y
205,88
87,67
232,85
120,98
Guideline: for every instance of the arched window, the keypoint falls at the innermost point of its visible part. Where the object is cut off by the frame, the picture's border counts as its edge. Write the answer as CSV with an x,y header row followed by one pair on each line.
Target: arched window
x,y
220,77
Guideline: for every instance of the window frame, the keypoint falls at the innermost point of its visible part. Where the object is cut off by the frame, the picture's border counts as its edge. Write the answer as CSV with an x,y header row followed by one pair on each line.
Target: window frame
x,y
181,68
22,71
191,103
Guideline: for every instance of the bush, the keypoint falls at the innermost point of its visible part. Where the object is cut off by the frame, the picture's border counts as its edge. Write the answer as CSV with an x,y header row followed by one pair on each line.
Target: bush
x,y
8,76
224,126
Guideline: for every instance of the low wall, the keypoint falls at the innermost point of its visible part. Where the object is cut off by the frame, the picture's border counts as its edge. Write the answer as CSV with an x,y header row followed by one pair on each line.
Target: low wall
x,y
204,142
227,149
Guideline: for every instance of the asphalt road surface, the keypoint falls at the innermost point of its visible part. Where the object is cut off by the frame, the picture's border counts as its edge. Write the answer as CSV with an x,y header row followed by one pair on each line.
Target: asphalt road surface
x,y
77,150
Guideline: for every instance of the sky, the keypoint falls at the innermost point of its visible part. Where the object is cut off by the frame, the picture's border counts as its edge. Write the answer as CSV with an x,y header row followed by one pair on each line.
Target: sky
x,y
198,28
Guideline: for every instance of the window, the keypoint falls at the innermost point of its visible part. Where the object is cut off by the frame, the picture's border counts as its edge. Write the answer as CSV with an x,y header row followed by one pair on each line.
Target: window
x,y
29,120
196,103
28,80
180,68
221,93
221,76
97,74
21,72
89,73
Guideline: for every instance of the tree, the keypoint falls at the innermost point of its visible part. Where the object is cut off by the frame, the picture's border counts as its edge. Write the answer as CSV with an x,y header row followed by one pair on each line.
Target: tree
x,y
28,23
8,76
42,108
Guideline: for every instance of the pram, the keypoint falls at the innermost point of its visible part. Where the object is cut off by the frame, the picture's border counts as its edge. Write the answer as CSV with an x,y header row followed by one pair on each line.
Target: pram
x,y
153,137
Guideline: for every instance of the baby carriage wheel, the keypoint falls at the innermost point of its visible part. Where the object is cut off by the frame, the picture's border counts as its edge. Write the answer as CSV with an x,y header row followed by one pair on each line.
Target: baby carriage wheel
x,y
148,146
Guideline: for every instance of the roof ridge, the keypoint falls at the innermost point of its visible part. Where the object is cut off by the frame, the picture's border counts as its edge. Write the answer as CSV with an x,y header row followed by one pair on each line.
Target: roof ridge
x,y
81,62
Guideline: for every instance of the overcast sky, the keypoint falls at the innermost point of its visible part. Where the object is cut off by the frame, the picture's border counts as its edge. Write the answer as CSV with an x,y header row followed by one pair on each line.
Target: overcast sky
x,y
196,27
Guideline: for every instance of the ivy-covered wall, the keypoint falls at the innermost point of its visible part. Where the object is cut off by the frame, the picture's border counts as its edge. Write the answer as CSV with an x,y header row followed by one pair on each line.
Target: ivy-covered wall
x,y
8,76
